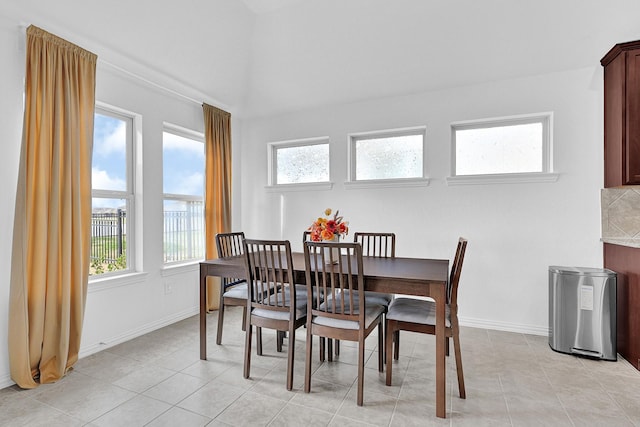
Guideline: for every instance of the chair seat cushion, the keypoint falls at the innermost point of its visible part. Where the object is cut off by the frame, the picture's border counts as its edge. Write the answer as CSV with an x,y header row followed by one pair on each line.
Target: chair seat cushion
x,y
300,305
373,298
416,311
372,312
239,291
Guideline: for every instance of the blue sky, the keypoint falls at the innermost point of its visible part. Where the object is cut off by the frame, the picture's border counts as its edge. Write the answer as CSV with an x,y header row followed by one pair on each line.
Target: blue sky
x,y
183,161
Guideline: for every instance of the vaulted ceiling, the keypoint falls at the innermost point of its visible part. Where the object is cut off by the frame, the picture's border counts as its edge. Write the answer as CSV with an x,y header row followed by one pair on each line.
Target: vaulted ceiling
x,y
263,57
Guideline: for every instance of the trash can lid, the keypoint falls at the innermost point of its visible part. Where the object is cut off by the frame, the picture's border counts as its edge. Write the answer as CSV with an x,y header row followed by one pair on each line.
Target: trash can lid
x,y
582,271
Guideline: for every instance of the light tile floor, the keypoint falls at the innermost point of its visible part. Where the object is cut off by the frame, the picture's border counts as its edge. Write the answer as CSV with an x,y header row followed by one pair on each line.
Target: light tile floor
x,y
158,380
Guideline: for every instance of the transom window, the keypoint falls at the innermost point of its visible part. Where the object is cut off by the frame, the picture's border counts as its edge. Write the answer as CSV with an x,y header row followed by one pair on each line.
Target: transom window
x,y
183,165
511,145
387,155
301,161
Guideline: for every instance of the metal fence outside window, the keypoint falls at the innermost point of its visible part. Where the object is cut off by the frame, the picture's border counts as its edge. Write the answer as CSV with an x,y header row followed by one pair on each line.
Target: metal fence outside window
x,y
108,236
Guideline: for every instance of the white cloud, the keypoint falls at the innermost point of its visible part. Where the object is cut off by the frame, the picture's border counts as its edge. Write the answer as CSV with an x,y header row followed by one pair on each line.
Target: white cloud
x,y
190,185
175,142
102,181
114,142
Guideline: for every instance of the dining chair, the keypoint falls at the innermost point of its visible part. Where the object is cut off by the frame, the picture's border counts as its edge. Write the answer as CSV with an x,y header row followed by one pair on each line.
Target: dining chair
x,y
408,314
381,245
233,292
275,301
345,313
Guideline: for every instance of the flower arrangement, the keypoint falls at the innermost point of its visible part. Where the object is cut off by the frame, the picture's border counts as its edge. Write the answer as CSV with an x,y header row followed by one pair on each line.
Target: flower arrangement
x,y
328,227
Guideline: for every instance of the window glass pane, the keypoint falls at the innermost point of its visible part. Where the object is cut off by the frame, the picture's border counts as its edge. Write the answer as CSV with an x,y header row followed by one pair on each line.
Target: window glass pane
x,y
182,165
183,230
109,167
305,163
499,149
108,235
389,157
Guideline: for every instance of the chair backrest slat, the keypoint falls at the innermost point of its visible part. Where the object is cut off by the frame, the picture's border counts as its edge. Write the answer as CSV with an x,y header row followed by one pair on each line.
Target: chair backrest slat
x,y
269,266
339,285
456,268
381,245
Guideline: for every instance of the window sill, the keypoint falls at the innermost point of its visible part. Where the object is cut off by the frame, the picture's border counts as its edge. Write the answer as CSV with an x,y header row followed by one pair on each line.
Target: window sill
x,y
115,281
387,183
317,186
180,268
513,178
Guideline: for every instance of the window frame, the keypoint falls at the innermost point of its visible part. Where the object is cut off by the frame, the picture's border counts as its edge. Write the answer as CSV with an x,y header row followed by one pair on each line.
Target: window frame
x,y
196,136
129,194
546,175
272,165
353,138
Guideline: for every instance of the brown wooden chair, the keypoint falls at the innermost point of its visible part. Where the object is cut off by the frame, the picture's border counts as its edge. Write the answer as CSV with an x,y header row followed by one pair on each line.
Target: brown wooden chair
x,y
408,314
275,301
345,314
381,245
233,292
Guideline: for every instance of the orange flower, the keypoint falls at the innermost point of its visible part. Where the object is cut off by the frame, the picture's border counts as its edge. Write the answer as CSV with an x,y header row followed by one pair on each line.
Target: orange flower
x,y
328,228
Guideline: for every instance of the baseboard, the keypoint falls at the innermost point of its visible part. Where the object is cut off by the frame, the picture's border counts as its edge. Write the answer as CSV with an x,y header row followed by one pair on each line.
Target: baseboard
x,y
501,326
134,333
6,381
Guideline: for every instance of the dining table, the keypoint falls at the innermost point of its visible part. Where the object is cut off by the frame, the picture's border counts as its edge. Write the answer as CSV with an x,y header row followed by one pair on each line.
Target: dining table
x,y
423,277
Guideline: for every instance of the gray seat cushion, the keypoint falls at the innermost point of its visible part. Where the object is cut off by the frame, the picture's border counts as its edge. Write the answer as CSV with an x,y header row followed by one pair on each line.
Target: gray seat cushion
x,y
238,291
374,298
300,304
372,311
416,311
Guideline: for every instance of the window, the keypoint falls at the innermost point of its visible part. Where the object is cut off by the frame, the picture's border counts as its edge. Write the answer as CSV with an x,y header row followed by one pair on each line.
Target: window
x,y
303,161
387,155
112,192
183,166
517,146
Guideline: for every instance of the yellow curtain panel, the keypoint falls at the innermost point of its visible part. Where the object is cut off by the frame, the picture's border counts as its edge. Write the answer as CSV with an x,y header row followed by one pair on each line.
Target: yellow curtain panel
x,y
217,199
51,239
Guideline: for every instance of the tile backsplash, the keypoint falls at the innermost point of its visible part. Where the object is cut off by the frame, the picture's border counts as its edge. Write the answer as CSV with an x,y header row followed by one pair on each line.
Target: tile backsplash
x,y
621,215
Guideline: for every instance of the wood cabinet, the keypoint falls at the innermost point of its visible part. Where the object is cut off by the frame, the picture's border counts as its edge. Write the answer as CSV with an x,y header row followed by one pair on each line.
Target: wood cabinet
x,y
622,114
624,261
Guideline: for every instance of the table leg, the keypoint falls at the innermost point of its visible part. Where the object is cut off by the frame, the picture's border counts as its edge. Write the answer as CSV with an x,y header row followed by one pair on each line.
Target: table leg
x,y
203,313
441,366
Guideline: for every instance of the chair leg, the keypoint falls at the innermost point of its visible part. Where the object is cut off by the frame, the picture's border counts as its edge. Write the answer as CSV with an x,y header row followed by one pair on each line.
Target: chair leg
x,y
244,319
220,322
456,349
258,339
322,346
337,347
247,352
396,343
279,340
308,360
390,333
360,370
330,349
381,347
290,357
446,346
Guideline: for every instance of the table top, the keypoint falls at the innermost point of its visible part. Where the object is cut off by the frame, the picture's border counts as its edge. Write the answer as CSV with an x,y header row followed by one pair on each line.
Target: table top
x,y
380,274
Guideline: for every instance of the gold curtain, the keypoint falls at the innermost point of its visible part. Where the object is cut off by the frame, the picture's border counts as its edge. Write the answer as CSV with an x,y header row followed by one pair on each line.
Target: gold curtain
x,y
217,199
51,239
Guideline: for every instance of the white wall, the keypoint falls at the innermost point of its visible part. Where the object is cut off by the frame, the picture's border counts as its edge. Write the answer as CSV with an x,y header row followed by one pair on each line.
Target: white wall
x,y
116,310
515,231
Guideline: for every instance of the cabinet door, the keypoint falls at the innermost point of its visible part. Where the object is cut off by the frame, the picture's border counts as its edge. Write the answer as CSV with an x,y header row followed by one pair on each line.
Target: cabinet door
x,y
631,160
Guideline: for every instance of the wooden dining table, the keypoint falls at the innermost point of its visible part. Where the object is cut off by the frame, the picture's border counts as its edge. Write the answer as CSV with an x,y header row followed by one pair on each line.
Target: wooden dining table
x,y
409,276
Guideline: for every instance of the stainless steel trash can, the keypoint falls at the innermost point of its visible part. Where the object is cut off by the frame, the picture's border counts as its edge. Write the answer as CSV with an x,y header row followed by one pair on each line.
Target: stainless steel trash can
x,y
582,311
